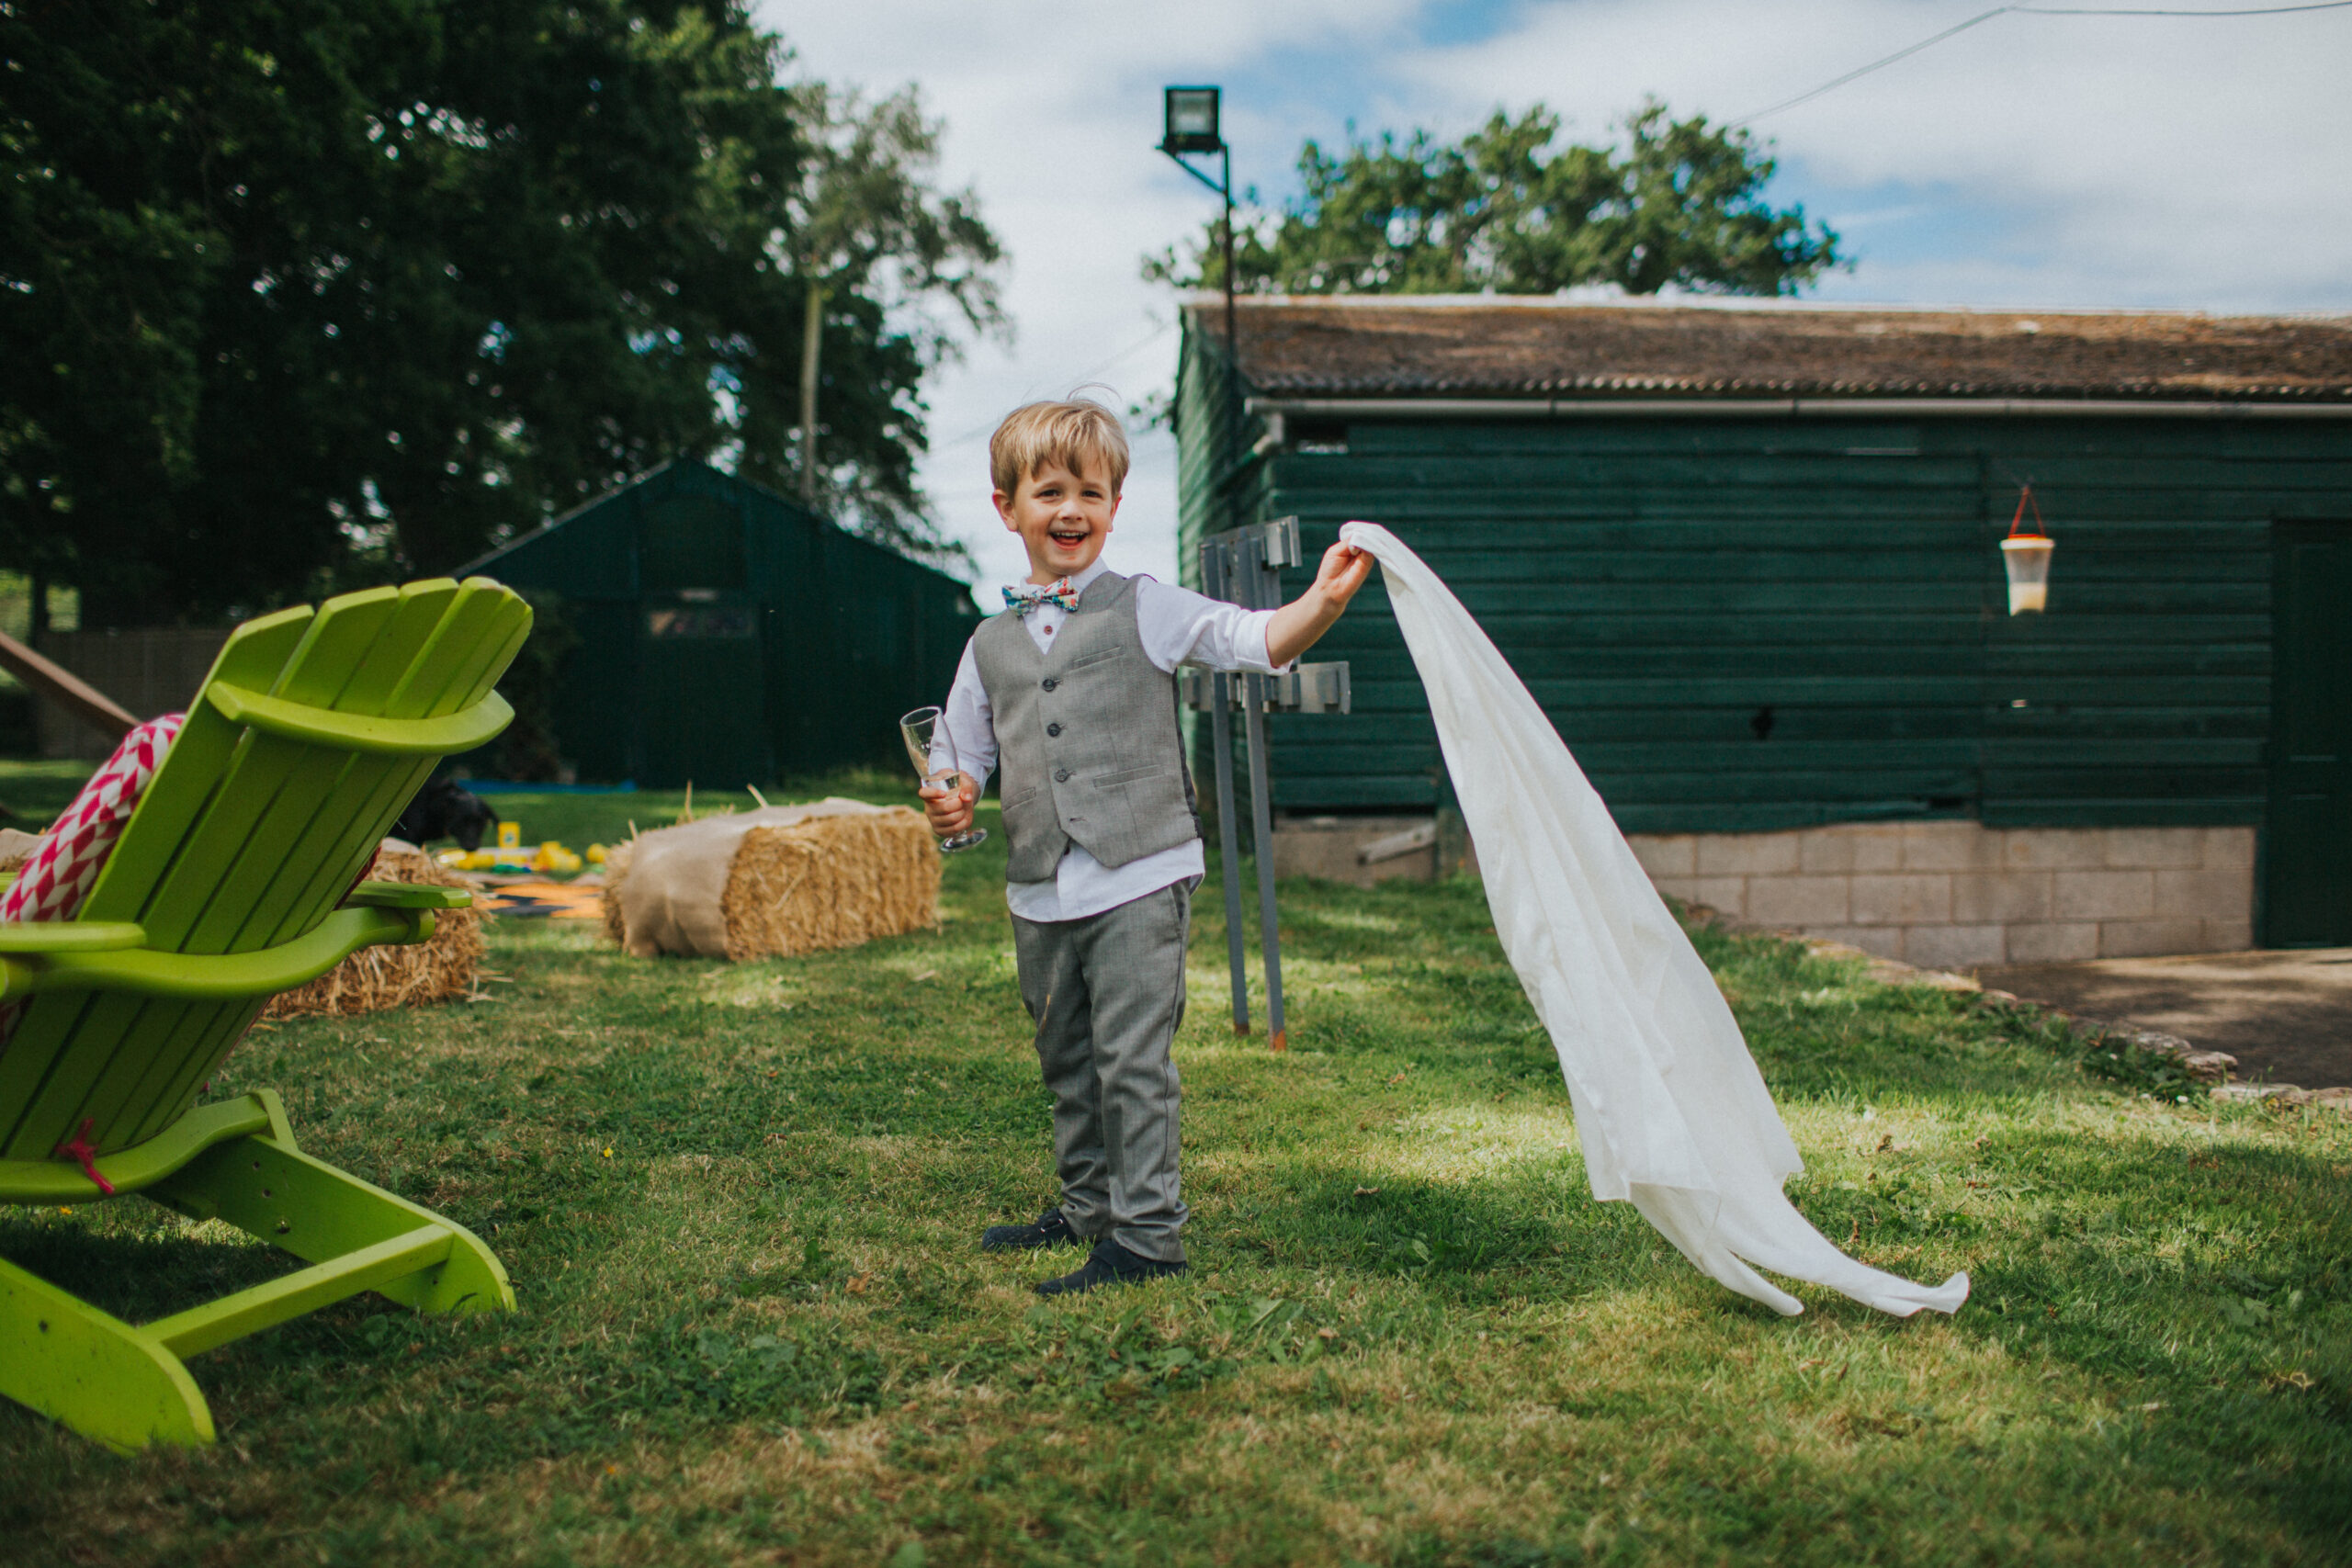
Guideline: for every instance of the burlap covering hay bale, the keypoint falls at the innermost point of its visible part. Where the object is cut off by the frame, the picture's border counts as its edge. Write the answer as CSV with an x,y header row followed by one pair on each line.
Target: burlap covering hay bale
x,y
16,849
375,979
780,880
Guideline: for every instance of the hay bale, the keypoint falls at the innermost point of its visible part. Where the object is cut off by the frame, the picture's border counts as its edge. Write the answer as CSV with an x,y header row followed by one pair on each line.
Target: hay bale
x,y
616,873
375,979
830,882
779,880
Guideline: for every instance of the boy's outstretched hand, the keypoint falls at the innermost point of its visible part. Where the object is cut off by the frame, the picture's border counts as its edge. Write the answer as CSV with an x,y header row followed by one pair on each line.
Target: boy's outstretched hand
x,y
1343,571
949,808
1299,625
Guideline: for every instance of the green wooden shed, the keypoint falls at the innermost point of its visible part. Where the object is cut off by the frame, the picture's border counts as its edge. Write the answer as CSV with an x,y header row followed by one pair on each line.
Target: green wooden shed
x,y
1746,554
728,636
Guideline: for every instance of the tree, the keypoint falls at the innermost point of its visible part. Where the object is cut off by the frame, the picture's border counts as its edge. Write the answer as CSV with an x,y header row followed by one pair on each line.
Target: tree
x,y
868,230
1506,212
295,293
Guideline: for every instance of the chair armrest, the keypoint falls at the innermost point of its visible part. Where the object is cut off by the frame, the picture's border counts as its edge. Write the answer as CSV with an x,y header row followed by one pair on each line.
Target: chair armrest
x,y
450,733
408,895
198,977
70,936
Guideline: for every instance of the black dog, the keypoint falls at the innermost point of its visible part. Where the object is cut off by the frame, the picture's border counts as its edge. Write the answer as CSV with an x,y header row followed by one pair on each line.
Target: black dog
x,y
442,810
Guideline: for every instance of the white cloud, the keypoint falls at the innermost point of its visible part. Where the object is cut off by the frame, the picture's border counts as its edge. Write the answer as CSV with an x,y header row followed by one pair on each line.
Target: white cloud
x,y
2183,163
2196,163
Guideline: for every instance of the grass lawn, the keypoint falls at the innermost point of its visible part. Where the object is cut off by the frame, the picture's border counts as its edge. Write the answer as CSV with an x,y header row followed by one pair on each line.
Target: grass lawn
x,y
740,1207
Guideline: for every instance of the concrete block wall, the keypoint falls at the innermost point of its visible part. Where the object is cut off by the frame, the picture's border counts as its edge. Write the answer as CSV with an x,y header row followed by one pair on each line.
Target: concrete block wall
x,y
1327,846
1960,894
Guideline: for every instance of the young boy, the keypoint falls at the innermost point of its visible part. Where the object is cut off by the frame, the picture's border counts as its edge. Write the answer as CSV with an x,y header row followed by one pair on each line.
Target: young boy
x,y
1072,690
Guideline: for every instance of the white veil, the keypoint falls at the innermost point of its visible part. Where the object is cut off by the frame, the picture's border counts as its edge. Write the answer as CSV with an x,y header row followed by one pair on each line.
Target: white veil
x,y
1670,1110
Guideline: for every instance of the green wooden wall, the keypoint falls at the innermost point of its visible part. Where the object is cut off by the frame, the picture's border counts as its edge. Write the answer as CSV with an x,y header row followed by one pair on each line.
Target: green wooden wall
x,y
813,641
1660,582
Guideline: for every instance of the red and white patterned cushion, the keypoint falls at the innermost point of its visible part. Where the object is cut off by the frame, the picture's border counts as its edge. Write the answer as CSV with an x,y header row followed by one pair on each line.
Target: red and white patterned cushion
x,y
58,876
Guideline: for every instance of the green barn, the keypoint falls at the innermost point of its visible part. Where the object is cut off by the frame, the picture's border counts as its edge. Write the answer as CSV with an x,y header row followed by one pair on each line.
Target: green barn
x,y
725,636
1746,554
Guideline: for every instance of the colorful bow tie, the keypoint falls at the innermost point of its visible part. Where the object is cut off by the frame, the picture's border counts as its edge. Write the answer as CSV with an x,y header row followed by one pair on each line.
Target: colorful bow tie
x,y
1028,596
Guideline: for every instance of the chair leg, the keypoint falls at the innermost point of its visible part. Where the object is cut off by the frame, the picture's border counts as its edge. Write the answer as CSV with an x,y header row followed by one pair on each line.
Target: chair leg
x,y
92,1372
270,1189
124,1386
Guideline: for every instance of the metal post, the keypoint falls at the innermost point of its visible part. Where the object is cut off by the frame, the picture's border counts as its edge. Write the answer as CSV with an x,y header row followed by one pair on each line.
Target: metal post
x,y
1244,567
1232,419
1229,840
1216,579
1262,820
1224,188
1261,588
1215,582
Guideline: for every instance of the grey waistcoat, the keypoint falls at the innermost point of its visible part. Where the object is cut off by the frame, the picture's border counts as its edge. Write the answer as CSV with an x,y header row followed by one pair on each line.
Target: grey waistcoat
x,y
1086,737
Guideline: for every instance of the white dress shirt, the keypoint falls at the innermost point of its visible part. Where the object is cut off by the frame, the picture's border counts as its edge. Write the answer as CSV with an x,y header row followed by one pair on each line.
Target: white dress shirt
x,y
1178,626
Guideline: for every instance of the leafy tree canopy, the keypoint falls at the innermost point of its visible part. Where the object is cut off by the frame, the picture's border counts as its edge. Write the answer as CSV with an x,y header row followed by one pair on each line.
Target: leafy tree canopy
x,y
1506,211
867,229
296,292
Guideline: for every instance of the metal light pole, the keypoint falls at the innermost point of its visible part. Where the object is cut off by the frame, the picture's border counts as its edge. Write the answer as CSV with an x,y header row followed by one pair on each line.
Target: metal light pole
x,y
1189,124
1243,565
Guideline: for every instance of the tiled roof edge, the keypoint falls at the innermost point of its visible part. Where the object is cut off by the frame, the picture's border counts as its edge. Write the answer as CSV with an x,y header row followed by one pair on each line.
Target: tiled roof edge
x,y
1733,303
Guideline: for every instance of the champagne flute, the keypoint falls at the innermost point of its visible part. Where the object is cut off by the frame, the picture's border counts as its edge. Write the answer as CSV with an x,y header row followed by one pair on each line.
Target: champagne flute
x,y
928,740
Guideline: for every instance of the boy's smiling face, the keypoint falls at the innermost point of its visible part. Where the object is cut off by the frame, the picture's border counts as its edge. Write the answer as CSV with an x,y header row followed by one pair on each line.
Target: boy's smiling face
x,y
1063,518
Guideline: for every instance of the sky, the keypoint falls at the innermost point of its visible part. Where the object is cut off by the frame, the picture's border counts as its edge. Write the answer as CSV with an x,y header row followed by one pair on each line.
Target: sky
x,y
2188,162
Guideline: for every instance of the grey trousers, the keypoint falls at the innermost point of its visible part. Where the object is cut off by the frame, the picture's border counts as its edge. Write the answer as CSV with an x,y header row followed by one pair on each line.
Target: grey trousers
x,y
1108,993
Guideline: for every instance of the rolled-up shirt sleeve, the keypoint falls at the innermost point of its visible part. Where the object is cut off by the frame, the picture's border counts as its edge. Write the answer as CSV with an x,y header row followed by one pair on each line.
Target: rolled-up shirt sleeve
x,y
1180,626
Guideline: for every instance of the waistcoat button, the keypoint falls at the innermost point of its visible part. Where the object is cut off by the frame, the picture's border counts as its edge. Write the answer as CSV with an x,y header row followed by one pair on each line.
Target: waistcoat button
x,y
1053,730
1049,683
1061,775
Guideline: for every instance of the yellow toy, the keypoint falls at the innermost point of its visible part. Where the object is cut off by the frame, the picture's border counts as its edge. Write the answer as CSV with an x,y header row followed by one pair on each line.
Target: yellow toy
x,y
553,856
511,856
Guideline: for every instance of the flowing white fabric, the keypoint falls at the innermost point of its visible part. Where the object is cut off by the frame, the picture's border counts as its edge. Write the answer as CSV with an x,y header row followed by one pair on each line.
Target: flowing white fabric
x,y
1670,1107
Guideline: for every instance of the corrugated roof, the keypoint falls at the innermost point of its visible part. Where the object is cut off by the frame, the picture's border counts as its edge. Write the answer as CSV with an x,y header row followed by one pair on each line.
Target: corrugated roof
x,y
1483,346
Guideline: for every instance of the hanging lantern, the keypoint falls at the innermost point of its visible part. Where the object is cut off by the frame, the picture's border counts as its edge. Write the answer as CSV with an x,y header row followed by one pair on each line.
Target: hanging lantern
x,y
2026,557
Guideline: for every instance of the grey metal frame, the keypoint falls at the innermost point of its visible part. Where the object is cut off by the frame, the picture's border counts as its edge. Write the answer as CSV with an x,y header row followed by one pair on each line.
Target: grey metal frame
x,y
1243,566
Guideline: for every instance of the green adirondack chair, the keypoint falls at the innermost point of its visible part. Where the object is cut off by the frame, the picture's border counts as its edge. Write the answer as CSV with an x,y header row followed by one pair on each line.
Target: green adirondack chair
x,y
236,880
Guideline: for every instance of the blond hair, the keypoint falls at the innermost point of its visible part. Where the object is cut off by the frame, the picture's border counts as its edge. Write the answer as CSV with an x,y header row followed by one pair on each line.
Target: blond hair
x,y
1077,433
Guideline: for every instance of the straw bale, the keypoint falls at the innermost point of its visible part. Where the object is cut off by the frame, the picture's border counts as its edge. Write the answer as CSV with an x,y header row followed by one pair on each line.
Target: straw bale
x,y
830,882
375,979
616,873
691,890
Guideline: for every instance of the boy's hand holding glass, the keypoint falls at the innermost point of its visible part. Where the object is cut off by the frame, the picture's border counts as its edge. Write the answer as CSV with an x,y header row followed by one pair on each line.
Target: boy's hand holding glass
x,y
948,791
948,800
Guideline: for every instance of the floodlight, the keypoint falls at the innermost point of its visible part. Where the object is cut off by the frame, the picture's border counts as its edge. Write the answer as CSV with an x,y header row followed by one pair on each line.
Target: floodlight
x,y
1192,121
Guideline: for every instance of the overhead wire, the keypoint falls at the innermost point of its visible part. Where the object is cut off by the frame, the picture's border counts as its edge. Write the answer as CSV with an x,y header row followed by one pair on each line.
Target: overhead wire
x,y
1902,54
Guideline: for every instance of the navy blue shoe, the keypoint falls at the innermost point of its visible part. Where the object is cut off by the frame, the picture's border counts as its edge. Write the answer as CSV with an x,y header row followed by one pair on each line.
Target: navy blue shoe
x,y
1109,1264
1051,1230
